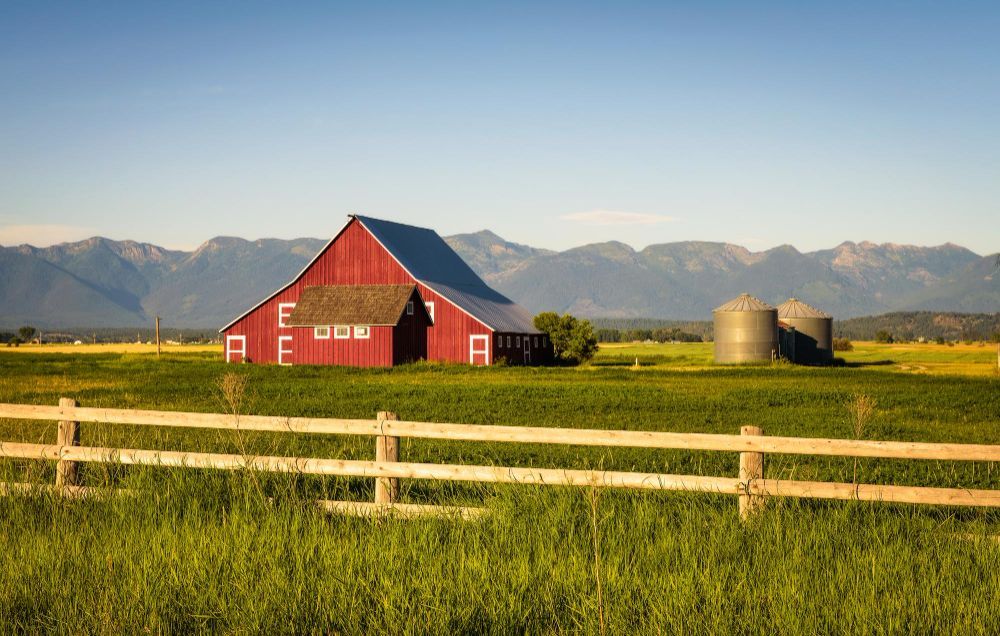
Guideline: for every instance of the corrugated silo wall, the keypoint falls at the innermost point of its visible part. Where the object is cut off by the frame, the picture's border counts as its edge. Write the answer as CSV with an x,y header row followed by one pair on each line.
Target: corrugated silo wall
x,y
813,340
745,336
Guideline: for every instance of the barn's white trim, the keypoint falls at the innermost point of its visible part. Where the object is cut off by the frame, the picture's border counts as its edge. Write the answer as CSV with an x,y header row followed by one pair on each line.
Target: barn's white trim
x,y
362,332
282,351
485,351
409,308
230,350
321,333
282,316
341,332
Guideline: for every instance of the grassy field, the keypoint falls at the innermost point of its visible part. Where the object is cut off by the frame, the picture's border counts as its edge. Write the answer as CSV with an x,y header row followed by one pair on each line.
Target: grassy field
x,y
205,551
115,347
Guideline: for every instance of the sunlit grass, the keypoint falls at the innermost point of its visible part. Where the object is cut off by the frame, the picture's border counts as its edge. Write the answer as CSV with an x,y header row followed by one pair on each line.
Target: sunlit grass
x,y
207,550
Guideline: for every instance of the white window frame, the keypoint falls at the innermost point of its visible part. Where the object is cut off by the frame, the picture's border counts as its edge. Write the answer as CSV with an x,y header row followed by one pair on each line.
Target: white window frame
x,y
282,316
317,336
346,335
517,342
429,305
282,352
508,342
485,351
409,308
230,350
499,342
545,341
367,332
527,350
535,341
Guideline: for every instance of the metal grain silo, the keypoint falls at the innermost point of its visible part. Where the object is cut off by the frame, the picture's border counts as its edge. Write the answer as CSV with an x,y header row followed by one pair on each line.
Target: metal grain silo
x,y
808,338
746,330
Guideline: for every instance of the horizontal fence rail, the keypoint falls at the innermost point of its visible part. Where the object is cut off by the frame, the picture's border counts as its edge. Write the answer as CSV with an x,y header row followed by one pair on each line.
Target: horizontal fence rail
x,y
516,434
750,485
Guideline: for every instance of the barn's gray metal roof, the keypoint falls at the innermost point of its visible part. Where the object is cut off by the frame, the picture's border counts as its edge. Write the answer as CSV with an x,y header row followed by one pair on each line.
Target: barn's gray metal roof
x,y
795,308
744,302
425,255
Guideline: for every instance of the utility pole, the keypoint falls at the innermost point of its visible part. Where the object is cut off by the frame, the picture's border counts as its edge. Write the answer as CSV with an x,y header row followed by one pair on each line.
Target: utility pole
x,y
157,337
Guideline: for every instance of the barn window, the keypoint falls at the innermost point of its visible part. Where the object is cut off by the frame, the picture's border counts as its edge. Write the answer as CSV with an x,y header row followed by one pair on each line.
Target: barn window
x,y
517,342
284,311
321,333
545,341
508,342
409,308
341,332
535,340
500,342
360,332
430,309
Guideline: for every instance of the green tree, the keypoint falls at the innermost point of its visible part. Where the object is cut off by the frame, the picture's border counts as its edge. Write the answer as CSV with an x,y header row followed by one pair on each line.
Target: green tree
x,y
883,336
609,335
573,340
26,332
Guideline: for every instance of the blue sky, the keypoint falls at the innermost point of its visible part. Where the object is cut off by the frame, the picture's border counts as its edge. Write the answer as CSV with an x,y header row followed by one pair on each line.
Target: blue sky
x,y
552,124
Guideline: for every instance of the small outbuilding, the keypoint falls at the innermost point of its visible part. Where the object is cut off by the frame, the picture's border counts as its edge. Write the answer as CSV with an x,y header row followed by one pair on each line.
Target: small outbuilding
x,y
360,325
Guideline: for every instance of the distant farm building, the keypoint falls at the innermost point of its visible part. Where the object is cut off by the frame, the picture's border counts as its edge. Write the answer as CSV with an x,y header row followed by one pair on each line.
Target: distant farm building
x,y
749,330
383,293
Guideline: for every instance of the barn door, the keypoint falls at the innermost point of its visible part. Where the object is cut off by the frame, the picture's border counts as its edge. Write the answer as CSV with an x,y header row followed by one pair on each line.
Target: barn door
x,y
527,350
284,349
479,349
236,348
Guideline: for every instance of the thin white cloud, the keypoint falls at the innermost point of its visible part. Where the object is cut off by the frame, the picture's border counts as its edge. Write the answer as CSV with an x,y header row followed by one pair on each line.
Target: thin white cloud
x,y
614,217
42,235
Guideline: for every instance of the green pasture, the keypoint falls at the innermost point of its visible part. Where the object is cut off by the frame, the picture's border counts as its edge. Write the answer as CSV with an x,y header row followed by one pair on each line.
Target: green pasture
x,y
247,553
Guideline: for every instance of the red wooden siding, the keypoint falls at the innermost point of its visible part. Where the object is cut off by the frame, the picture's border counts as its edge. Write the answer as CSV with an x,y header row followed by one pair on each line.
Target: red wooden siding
x,y
374,351
356,258
410,335
539,349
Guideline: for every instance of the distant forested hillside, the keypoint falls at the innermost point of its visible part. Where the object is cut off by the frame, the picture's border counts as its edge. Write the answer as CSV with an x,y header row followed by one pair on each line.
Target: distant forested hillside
x,y
912,325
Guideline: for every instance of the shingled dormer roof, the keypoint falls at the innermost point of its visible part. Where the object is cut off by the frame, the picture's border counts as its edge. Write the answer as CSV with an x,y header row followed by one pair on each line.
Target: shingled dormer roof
x,y
375,305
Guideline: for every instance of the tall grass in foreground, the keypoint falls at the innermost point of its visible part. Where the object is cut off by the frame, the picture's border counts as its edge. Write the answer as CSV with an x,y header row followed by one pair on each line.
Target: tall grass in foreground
x,y
201,551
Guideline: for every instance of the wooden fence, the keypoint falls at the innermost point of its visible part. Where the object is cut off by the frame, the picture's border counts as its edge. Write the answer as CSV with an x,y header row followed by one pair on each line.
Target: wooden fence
x,y
749,486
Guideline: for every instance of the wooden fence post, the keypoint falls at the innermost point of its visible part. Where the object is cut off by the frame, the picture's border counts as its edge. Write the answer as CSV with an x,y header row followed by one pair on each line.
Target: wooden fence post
x,y
67,472
751,469
386,450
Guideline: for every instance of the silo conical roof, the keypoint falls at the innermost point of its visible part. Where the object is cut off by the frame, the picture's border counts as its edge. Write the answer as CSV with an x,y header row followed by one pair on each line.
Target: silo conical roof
x,y
795,308
744,302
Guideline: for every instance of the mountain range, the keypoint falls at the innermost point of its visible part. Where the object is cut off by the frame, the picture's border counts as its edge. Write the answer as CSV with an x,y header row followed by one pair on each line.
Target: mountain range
x,y
101,282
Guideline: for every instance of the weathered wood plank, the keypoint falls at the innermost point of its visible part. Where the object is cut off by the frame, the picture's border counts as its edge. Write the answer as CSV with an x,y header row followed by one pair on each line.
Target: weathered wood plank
x,y
518,434
67,472
751,470
507,475
386,450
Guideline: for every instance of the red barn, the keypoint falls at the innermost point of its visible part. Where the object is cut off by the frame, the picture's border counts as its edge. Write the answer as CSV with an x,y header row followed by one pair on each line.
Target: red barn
x,y
383,293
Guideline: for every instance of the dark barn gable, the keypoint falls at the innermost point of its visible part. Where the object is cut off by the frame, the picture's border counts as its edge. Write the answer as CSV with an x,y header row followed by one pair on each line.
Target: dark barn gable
x,y
358,281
